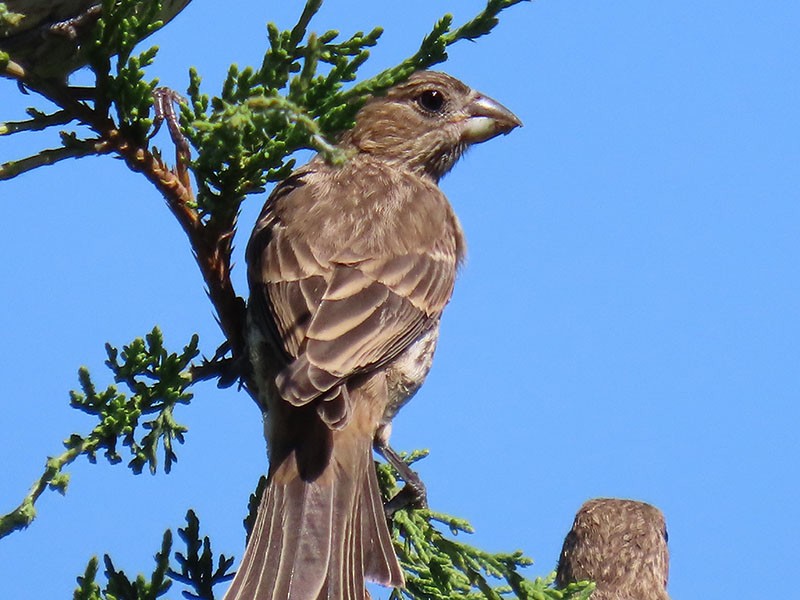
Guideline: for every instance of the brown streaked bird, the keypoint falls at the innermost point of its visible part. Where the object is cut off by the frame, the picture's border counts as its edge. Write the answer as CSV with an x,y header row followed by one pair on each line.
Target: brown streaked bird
x,y
621,545
350,268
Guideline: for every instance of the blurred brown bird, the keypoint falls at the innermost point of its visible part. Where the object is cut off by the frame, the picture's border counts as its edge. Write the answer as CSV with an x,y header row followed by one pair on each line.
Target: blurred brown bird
x,y
350,268
47,37
621,545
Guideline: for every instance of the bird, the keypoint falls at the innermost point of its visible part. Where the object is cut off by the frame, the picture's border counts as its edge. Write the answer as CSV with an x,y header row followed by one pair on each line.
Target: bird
x,y
350,267
47,37
619,544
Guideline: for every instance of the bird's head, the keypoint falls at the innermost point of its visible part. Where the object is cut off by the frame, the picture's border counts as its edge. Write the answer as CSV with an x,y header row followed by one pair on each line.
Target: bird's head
x,y
426,123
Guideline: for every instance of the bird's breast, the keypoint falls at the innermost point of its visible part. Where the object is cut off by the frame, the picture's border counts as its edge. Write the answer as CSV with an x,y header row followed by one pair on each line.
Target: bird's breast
x,y
406,374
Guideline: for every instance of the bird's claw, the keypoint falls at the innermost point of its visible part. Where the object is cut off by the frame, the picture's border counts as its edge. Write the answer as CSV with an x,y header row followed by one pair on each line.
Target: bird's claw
x,y
414,494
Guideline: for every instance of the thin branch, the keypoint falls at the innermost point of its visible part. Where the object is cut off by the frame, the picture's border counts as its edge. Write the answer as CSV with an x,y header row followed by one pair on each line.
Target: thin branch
x,y
37,123
25,513
51,156
211,242
483,22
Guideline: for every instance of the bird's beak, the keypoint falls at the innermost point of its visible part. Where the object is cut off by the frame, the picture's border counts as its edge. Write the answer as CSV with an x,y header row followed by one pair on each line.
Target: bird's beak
x,y
487,118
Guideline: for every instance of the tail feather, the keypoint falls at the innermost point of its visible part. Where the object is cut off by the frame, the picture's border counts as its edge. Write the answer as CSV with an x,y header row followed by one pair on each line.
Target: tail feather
x,y
303,556
380,560
319,539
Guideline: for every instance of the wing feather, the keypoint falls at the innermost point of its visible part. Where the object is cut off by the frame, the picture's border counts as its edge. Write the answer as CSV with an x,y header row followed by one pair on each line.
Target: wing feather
x,y
342,307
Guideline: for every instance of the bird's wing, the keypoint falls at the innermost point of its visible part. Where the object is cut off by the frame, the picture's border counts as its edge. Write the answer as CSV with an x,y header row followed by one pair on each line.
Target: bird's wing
x,y
340,313
361,323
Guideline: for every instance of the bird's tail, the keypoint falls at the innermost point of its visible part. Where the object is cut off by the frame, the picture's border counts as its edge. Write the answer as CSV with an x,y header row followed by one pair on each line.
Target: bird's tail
x,y
321,535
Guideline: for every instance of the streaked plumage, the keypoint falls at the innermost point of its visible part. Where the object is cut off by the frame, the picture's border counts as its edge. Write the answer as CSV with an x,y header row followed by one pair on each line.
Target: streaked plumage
x,y
350,268
621,545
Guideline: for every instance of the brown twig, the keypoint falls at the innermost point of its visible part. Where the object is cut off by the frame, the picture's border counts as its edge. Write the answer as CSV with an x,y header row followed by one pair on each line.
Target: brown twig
x,y
211,240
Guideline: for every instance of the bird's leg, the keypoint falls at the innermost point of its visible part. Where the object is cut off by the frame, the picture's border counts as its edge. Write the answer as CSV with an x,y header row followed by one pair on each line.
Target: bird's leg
x,y
164,100
413,493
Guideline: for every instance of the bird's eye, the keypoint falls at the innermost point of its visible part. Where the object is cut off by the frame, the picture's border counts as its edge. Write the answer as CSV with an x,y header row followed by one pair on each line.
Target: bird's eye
x,y
431,100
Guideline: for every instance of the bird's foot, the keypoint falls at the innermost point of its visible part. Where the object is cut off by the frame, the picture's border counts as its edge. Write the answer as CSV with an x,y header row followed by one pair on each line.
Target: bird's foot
x,y
164,100
413,494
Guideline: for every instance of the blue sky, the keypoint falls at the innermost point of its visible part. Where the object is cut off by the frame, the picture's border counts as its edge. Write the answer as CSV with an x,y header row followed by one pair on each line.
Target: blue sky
x,y
626,324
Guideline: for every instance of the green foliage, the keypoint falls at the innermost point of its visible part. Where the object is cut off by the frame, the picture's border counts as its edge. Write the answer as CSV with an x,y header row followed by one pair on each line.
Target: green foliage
x,y
197,568
246,138
119,586
123,24
158,381
196,572
88,589
8,21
